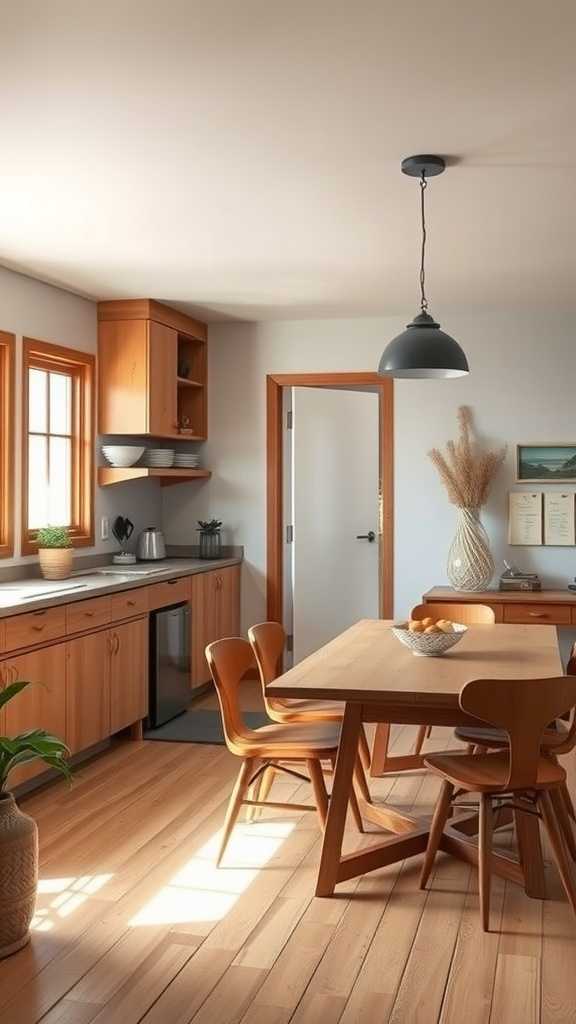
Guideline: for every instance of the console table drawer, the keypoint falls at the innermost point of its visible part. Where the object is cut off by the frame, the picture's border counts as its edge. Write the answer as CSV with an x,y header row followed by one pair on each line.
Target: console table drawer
x,y
534,614
34,627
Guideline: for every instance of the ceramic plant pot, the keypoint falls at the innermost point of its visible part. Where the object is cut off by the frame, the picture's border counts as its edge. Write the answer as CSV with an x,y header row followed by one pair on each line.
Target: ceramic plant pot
x,y
56,563
470,562
18,875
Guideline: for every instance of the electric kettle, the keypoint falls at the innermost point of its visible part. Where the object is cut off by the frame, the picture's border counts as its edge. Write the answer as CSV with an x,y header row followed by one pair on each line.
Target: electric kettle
x,y
150,546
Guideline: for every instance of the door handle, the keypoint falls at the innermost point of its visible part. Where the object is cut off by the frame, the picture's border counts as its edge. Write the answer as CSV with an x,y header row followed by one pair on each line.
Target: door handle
x,y
370,536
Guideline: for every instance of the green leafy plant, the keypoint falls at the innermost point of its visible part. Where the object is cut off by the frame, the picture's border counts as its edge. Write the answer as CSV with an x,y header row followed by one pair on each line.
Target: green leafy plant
x,y
209,526
53,537
37,744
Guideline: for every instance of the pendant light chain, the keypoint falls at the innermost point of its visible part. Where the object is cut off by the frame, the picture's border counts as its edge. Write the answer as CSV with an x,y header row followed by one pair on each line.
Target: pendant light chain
x,y
423,299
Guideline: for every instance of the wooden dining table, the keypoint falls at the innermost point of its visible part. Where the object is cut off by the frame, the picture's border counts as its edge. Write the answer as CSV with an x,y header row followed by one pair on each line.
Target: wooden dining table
x,y
380,681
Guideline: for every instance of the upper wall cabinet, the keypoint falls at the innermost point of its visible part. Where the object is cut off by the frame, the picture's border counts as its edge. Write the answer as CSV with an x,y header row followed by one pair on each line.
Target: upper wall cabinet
x,y
152,371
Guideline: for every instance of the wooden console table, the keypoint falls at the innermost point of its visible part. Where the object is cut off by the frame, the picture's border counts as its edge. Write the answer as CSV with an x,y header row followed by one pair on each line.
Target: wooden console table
x,y
537,608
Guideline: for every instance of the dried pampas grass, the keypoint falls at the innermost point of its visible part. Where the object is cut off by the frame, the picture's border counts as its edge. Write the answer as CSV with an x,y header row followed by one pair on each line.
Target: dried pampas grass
x,y
465,471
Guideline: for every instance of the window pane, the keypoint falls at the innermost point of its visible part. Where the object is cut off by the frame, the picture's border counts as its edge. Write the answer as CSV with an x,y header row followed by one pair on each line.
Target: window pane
x,y
37,401
37,483
60,403
59,503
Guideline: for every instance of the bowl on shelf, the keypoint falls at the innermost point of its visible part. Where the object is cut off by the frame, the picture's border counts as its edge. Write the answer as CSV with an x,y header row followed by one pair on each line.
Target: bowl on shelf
x,y
429,645
122,455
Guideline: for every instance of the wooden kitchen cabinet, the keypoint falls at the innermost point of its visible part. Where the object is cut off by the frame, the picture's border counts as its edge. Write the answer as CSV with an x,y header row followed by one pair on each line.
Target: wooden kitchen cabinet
x,y
42,706
215,614
88,690
128,674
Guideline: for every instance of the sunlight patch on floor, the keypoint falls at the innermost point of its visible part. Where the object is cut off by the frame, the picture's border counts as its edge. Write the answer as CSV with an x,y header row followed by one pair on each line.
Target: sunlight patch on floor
x,y
201,892
68,894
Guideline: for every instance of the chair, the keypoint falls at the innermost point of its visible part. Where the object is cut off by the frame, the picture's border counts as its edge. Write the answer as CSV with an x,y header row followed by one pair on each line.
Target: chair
x,y
268,641
229,660
468,615
518,776
555,740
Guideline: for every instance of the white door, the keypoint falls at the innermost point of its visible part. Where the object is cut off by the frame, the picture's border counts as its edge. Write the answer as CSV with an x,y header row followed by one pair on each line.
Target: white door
x,y
335,483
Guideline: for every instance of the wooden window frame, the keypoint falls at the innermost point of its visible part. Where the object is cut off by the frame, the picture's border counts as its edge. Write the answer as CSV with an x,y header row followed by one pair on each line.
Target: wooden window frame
x,y
42,355
384,388
7,382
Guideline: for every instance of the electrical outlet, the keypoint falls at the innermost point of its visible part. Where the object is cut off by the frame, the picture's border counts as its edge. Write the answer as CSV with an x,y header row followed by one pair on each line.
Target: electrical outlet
x,y
104,528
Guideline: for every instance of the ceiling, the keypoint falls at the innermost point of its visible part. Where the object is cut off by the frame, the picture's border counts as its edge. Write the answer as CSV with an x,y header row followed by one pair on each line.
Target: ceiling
x,y
240,158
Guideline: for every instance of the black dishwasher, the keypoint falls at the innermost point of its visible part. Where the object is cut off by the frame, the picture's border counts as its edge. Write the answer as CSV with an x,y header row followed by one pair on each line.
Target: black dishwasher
x,y
170,692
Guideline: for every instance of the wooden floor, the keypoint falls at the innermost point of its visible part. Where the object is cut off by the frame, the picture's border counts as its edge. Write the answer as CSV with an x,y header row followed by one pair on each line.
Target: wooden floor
x,y
135,924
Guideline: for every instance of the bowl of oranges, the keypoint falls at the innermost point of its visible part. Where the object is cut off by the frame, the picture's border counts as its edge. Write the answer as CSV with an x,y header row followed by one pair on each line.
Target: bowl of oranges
x,y
429,638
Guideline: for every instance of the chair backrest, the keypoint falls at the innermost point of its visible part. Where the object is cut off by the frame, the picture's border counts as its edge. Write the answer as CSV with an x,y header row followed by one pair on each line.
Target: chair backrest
x,y
267,640
229,660
524,708
467,614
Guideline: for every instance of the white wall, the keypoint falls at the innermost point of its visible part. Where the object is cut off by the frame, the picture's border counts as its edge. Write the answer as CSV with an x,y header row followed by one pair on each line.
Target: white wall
x,y
29,308
521,389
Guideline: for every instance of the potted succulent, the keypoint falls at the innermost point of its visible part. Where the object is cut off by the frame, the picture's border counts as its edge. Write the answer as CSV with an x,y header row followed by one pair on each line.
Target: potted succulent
x,y
210,537
18,832
55,552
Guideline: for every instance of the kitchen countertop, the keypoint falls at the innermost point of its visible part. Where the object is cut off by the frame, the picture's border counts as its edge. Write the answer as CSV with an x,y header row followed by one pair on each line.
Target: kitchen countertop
x,y
33,594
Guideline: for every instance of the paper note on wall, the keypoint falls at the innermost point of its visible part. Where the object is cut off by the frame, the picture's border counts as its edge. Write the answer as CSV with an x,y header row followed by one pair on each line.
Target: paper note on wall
x,y
559,526
525,518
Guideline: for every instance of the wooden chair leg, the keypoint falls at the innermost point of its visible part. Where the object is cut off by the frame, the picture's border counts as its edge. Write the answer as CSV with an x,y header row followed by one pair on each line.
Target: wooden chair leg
x,y
428,731
484,857
558,847
567,800
355,808
319,787
441,812
564,821
420,737
235,803
364,750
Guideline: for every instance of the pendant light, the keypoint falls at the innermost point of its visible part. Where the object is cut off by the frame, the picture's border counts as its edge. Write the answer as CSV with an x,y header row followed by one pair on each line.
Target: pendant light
x,y
423,350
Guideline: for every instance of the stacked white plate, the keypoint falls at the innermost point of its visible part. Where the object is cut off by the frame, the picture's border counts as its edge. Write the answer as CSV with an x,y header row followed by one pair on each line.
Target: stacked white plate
x,y
186,460
159,458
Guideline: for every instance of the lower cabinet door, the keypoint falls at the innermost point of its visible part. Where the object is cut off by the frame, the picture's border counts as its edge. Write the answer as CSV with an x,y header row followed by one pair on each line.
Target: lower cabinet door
x,y
41,706
88,690
128,674
229,624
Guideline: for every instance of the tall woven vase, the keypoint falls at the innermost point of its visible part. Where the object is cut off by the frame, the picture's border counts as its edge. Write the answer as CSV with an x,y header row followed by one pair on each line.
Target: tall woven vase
x,y
18,875
470,562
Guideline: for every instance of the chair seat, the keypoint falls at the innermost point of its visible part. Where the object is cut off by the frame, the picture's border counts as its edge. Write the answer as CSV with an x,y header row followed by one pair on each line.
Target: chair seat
x,y
497,738
484,773
305,710
289,741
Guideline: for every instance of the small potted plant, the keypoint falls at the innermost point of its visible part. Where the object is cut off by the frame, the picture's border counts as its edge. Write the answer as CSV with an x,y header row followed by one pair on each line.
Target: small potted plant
x,y
18,832
210,538
55,552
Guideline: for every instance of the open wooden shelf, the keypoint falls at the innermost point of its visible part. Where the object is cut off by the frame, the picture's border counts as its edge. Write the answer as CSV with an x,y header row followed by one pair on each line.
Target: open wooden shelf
x,y
108,475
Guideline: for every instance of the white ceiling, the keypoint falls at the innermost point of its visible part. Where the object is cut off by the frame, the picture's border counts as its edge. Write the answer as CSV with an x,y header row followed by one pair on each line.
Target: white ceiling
x,y
241,158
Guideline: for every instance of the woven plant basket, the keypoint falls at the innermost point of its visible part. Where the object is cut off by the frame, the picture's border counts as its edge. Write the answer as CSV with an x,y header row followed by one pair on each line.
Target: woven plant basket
x,y
470,562
18,875
56,563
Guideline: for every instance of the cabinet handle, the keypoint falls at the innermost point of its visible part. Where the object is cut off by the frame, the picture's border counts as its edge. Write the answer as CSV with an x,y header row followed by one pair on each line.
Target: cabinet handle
x,y
39,613
131,604
89,615
110,644
38,629
538,615
116,643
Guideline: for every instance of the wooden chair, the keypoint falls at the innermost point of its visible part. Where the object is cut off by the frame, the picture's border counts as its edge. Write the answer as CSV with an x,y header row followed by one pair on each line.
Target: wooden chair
x,y
468,615
268,642
518,777
276,745
557,739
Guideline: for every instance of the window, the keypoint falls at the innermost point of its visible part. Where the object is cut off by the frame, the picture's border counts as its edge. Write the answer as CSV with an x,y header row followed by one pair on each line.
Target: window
x,y
57,442
6,444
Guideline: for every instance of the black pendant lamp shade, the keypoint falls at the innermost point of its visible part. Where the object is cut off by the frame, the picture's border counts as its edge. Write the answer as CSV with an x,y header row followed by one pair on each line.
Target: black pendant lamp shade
x,y
423,350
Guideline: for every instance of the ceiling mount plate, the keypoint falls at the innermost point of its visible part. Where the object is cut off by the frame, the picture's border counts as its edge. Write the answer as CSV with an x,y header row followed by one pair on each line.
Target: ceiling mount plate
x,y
429,166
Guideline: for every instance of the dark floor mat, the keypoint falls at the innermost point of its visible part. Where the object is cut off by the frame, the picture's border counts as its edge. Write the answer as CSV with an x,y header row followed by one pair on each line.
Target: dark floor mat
x,y
200,727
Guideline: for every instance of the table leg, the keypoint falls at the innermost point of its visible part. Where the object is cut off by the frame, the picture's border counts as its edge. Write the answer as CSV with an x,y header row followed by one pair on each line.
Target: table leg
x,y
341,786
381,762
530,852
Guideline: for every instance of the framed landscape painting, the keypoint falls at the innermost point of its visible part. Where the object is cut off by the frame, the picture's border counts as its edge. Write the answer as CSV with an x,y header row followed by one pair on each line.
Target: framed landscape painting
x,y
546,463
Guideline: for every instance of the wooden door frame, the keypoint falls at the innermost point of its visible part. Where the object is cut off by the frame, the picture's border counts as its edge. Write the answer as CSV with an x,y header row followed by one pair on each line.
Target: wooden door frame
x,y
384,387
